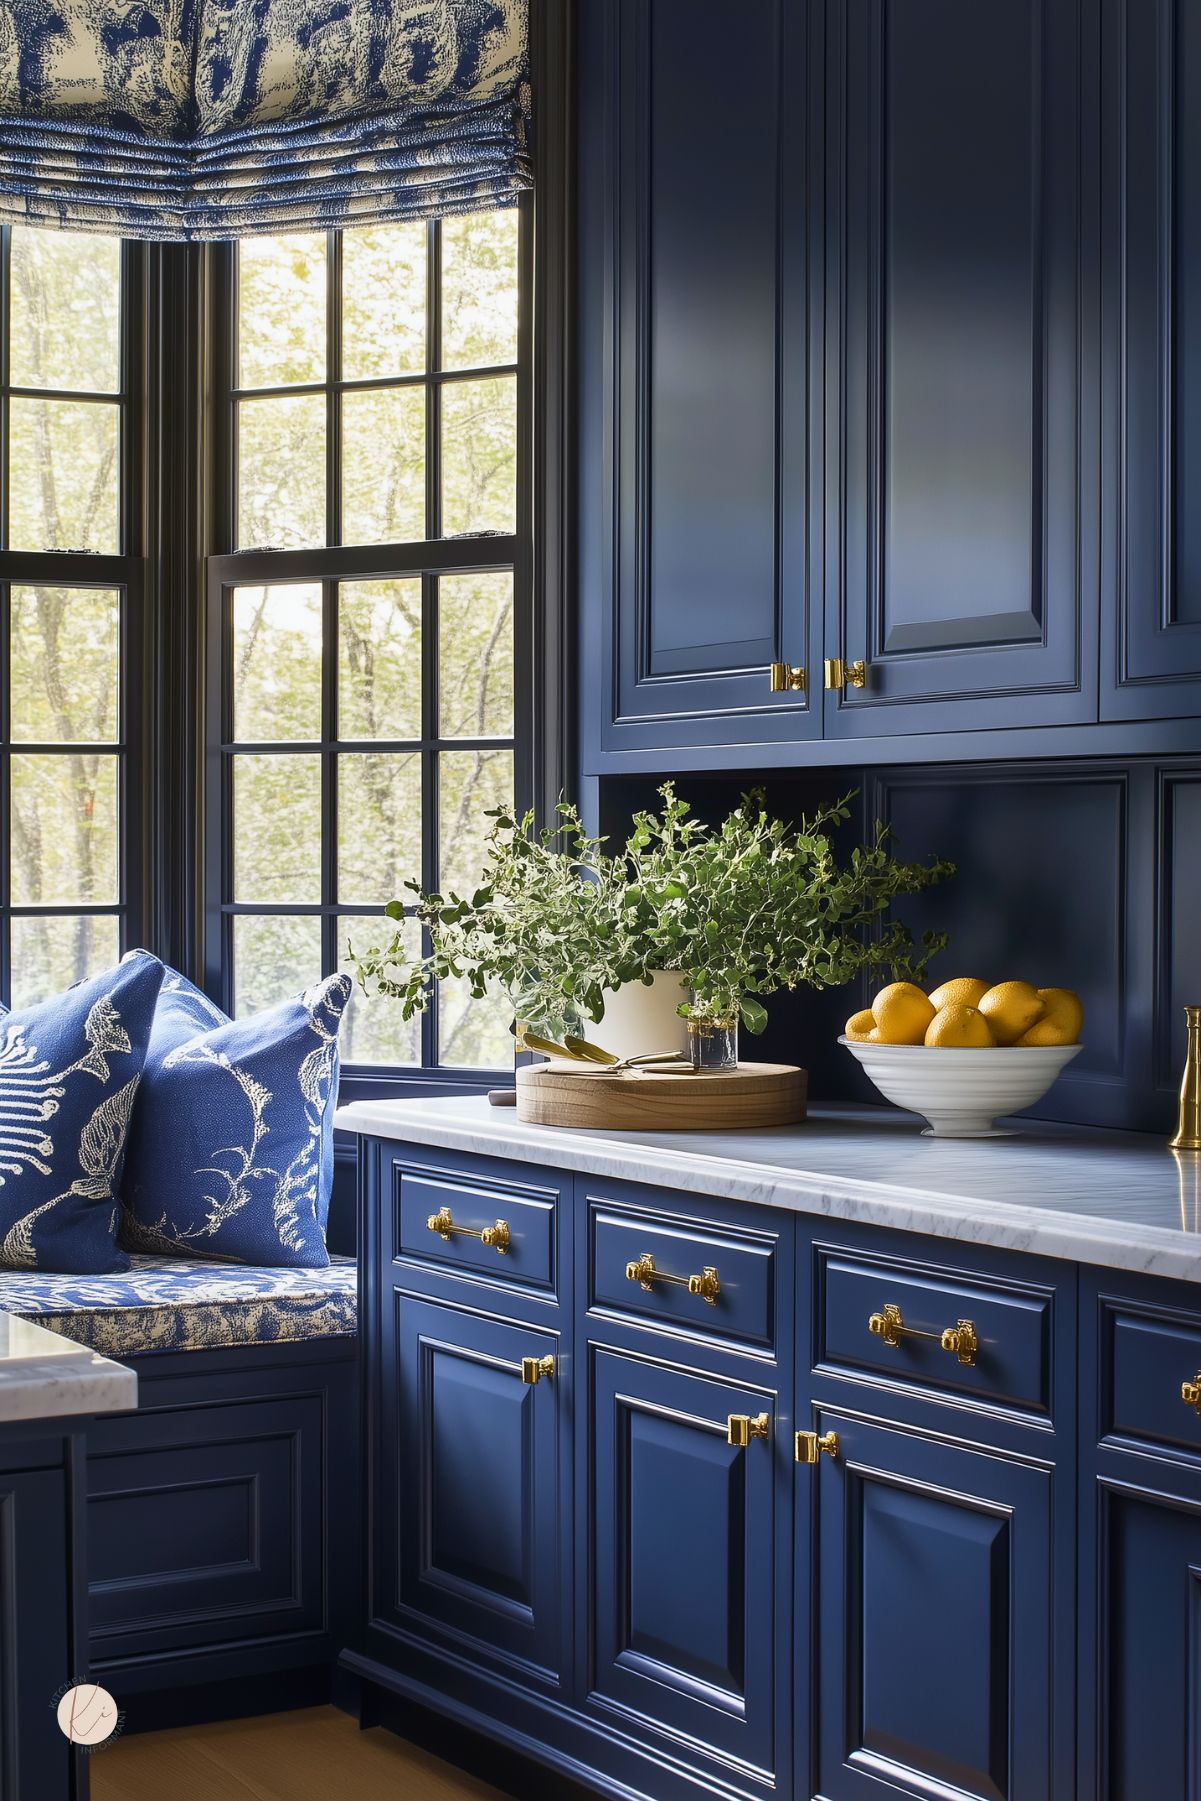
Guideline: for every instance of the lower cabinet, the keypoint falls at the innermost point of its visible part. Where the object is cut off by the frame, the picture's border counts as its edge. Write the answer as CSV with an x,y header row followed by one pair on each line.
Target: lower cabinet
x,y
41,1641
686,1471
736,1504
935,1571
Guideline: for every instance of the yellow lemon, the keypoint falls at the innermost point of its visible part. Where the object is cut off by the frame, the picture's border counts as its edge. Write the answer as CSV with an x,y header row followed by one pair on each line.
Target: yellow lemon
x,y
902,1013
962,991
1011,1008
862,1026
1062,1019
957,1027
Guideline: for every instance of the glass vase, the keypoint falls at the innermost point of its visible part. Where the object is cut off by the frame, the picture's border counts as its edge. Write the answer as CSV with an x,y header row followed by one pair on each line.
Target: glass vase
x,y
713,1042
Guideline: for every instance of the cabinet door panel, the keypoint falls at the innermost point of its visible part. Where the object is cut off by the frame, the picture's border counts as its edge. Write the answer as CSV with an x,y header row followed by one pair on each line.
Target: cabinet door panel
x,y
934,1673
708,331
37,1656
470,1483
1152,662
685,1593
955,172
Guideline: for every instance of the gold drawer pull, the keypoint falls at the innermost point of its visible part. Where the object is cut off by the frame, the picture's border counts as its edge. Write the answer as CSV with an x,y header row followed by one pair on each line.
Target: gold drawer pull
x,y
497,1237
785,676
1190,1393
741,1428
809,1446
842,675
960,1340
534,1368
643,1271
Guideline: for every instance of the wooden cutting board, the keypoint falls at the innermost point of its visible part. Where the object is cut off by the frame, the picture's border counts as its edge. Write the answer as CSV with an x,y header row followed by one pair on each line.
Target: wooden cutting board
x,y
754,1094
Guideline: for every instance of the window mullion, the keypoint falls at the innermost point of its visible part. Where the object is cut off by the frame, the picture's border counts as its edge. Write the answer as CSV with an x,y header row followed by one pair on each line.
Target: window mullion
x,y
333,399
329,772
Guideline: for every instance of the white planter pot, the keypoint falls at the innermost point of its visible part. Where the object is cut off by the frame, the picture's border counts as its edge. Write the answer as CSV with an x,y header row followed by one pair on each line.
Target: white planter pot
x,y
640,1020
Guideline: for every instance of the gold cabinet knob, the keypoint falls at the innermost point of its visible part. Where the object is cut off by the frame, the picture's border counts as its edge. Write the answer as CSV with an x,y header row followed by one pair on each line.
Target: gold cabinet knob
x,y
706,1286
842,675
962,1341
741,1428
785,676
534,1368
497,1237
1190,1393
811,1446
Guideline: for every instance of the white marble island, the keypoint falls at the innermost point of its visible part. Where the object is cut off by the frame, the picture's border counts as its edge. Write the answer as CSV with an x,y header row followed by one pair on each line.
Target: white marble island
x,y
1118,1200
44,1376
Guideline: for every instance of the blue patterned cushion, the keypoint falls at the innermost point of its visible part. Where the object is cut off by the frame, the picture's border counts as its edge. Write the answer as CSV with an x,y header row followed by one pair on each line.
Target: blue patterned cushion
x,y
231,1152
69,1070
185,1305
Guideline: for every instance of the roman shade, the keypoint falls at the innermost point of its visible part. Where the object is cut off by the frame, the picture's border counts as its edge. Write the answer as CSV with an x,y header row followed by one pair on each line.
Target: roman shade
x,y
195,119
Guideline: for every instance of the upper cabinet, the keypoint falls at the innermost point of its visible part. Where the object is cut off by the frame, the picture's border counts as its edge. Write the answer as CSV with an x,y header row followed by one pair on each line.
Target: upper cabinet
x,y
957,263
890,353
1151,662
695,377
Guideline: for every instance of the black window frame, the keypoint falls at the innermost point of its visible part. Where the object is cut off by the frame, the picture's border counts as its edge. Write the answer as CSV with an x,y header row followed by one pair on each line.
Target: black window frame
x,y
427,559
123,571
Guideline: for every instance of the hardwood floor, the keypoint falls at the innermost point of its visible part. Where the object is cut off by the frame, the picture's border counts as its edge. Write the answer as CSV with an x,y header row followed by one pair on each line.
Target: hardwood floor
x,y
317,1754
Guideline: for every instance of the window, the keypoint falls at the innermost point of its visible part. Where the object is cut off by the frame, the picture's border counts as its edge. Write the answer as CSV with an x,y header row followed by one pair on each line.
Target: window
x,y
68,600
364,628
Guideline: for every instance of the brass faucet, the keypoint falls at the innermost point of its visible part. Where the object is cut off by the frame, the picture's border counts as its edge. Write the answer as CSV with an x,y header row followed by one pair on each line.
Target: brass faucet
x,y
1188,1130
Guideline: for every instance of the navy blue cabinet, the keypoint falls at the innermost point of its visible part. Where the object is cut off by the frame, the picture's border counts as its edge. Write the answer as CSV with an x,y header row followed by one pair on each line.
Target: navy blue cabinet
x,y
956,340
696,289
1152,646
1140,1576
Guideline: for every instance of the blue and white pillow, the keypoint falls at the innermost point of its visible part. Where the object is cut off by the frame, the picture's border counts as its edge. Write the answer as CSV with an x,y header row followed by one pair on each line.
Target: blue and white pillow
x,y
69,1072
231,1154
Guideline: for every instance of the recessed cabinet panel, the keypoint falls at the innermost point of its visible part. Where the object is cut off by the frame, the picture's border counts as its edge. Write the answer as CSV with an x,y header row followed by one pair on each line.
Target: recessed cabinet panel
x,y
682,1532
1152,662
708,313
473,1496
934,1669
955,381
37,1656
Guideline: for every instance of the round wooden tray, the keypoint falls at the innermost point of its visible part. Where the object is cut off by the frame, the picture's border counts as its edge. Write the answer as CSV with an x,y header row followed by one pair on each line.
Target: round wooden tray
x,y
754,1094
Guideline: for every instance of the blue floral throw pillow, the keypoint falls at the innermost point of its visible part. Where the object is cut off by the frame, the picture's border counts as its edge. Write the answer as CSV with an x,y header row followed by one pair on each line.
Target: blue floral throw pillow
x,y
69,1072
231,1153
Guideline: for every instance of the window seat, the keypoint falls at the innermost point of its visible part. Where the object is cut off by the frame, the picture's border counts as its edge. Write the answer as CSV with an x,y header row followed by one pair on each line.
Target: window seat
x,y
183,1304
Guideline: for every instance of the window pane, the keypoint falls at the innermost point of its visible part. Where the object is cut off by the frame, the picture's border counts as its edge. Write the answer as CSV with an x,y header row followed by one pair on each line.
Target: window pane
x,y
471,782
64,830
277,828
50,954
373,1030
474,1034
281,472
281,311
379,659
64,663
383,301
479,290
64,475
274,958
479,456
475,656
66,311
277,663
379,826
383,466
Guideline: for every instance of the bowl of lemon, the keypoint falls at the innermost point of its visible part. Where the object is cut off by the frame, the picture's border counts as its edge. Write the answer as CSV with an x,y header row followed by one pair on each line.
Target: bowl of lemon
x,y
967,1054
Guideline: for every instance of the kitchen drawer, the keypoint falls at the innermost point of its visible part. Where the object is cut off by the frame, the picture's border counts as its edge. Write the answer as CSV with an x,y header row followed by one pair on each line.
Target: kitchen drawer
x,y
1148,1354
517,1218
710,1280
1010,1365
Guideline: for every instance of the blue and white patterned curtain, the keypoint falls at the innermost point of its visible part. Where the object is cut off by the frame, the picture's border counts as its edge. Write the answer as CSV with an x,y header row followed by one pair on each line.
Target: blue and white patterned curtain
x,y
187,119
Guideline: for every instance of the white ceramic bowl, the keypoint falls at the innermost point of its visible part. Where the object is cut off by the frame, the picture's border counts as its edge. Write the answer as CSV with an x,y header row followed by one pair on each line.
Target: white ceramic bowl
x,y
962,1093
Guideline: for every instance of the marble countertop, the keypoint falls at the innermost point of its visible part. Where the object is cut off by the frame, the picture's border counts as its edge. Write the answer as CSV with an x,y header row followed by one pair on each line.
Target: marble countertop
x,y
1115,1199
45,1376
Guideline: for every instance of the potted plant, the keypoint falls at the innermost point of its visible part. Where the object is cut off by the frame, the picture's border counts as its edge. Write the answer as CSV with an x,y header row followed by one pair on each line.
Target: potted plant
x,y
740,911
